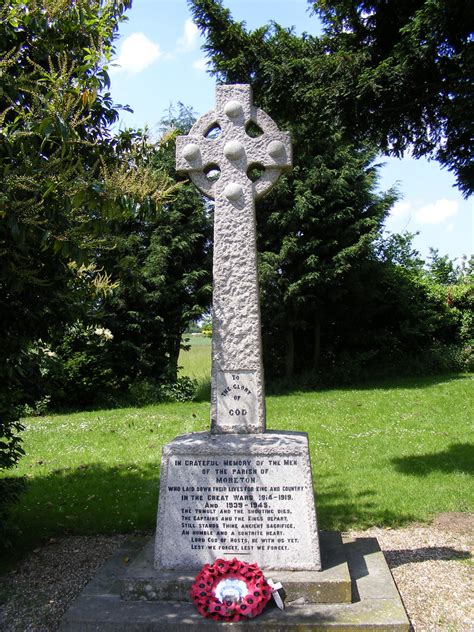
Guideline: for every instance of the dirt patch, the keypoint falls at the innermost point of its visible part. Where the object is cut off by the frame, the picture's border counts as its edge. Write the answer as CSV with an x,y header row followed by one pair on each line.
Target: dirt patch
x,y
455,522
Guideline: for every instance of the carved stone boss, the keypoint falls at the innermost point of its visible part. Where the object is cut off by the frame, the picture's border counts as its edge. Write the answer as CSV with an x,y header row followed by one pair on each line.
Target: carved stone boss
x,y
220,142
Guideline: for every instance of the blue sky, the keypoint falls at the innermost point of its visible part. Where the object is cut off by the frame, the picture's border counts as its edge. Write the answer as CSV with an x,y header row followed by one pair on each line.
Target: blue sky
x,y
160,62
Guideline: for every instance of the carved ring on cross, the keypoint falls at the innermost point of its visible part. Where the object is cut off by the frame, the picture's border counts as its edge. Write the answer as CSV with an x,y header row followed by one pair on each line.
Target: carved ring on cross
x,y
220,141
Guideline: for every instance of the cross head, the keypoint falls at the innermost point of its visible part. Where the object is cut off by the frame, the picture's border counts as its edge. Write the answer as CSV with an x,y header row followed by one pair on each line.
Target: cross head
x,y
220,139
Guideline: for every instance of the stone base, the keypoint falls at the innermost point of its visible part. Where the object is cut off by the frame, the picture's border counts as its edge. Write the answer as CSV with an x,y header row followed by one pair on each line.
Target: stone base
x,y
246,496
142,582
376,602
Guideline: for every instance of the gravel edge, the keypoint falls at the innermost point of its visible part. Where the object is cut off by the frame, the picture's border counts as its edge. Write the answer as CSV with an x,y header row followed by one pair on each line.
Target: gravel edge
x,y
432,567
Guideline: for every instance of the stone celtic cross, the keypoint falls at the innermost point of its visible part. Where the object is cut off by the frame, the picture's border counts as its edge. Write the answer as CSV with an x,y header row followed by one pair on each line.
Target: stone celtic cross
x,y
220,142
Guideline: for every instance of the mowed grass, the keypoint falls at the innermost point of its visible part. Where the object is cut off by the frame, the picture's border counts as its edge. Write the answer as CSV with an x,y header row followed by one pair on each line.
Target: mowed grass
x,y
383,455
196,361
95,472
389,454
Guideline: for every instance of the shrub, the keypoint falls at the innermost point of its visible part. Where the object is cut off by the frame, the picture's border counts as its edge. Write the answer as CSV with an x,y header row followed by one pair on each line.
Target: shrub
x,y
145,392
83,370
10,453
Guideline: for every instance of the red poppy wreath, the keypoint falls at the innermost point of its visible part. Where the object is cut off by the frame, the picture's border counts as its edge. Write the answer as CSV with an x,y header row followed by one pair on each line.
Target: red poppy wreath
x,y
230,590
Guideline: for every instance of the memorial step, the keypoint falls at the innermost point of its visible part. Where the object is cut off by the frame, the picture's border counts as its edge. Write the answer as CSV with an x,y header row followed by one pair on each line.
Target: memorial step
x,y
331,585
377,604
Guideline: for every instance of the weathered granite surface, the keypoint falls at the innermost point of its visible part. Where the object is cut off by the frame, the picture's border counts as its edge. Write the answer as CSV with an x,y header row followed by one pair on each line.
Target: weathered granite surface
x,y
330,585
237,387
221,495
245,496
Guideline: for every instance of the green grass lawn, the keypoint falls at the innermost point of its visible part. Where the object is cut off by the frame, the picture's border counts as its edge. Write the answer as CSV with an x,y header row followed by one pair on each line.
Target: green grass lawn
x,y
382,455
196,361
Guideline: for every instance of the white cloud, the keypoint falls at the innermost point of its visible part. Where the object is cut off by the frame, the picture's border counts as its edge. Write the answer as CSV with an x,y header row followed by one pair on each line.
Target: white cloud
x,y
432,213
200,64
137,52
189,39
399,217
400,210
437,212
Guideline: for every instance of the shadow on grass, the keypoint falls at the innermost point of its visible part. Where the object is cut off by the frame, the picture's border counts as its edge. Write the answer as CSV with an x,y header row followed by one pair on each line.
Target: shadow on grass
x,y
458,457
88,499
305,384
203,391
93,499
203,395
277,388
339,510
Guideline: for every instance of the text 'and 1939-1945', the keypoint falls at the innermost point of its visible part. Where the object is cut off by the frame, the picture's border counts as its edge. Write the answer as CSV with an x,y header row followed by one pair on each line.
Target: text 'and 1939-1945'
x,y
237,505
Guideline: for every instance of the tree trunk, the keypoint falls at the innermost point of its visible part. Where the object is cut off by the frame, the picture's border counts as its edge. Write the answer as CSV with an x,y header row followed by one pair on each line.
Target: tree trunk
x,y
174,348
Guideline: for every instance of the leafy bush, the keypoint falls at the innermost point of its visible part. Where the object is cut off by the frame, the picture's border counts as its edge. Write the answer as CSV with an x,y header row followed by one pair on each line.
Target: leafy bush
x,y
146,392
82,370
10,453
39,408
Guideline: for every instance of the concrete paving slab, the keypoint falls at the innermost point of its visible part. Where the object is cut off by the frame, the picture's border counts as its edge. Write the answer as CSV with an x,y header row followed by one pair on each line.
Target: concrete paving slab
x,y
108,580
93,614
369,570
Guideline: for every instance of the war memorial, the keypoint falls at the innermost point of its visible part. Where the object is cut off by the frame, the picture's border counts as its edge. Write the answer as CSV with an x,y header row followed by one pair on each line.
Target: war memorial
x,y
240,491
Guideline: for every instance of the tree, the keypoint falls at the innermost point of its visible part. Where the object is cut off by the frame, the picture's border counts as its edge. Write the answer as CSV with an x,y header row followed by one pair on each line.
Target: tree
x,y
399,72
395,73
163,267
63,175
397,249
425,309
160,264
442,269
311,240
320,220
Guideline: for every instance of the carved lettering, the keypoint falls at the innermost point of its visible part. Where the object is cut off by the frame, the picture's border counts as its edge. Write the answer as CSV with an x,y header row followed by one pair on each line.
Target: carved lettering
x,y
241,508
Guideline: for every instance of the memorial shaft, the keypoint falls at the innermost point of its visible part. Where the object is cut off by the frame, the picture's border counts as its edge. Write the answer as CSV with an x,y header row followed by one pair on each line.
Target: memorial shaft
x,y
219,141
